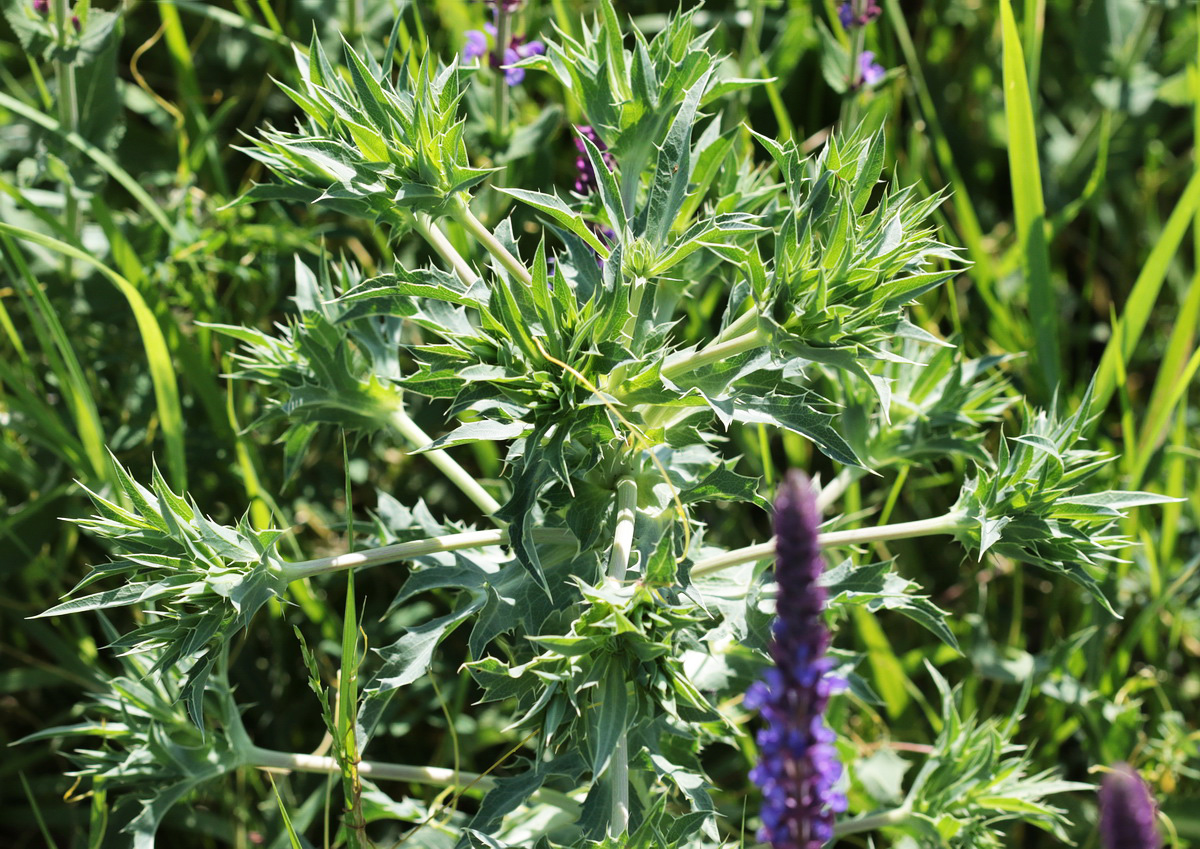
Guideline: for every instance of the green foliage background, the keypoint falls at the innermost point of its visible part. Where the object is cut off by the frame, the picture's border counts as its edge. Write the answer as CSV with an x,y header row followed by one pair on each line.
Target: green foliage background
x,y
88,357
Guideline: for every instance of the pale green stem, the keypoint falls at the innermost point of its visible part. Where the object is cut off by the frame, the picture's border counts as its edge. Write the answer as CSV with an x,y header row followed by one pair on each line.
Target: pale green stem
x,y
618,565
437,240
463,215
833,490
739,325
414,548
896,816
714,353
431,775
68,109
503,24
665,417
946,524
457,475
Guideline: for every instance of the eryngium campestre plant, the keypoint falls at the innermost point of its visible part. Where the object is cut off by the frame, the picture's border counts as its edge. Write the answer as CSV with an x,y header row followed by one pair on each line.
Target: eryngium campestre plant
x,y
799,768
603,613
1127,811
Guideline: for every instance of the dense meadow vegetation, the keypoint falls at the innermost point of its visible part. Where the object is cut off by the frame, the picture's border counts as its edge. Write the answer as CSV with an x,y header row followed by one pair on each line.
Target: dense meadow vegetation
x,y
399,399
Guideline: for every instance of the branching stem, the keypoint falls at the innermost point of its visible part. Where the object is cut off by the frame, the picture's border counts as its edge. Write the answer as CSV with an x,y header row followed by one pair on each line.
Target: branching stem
x,y
946,524
430,775
463,215
437,240
896,816
618,566
415,548
457,475
503,25
714,353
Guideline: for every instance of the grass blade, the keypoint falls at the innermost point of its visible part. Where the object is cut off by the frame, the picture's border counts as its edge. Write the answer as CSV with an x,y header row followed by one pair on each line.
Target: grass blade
x,y
1145,292
1029,205
162,371
106,162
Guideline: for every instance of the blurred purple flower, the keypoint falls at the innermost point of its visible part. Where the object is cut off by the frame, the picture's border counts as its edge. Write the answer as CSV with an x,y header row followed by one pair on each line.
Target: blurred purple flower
x,y
869,70
850,20
477,44
1127,811
517,50
799,767
585,180
42,7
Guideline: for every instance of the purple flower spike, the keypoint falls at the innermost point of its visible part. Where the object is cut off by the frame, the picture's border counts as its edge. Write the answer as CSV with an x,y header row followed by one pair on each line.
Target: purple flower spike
x,y
477,44
1127,811
870,70
516,51
799,769
852,21
585,180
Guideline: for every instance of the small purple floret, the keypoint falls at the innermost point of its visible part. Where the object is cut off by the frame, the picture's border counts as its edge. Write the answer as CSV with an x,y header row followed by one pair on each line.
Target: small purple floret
x,y
477,44
517,50
799,769
870,70
585,179
846,14
1127,811
42,7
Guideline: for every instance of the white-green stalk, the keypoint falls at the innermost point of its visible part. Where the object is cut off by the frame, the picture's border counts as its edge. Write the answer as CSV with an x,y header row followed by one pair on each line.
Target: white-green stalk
x,y
415,548
428,775
874,822
463,215
739,325
680,365
503,25
618,565
432,775
441,244
946,524
457,475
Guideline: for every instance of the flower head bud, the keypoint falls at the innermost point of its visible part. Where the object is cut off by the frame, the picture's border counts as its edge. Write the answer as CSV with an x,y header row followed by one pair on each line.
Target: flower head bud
x,y
799,767
1127,811
42,7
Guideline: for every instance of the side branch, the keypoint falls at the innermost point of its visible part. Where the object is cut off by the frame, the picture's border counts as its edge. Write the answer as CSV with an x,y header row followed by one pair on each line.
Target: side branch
x,y
416,548
947,524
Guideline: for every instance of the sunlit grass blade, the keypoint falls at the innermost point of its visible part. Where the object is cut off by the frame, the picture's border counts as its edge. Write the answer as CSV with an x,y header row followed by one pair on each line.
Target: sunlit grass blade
x,y
1029,205
983,271
162,371
102,159
63,360
293,838
1145,291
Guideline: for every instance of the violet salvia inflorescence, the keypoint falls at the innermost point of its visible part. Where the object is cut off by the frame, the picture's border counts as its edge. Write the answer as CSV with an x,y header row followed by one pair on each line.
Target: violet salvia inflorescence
x,y
852,18
799,769
1127,811
503,56
585,179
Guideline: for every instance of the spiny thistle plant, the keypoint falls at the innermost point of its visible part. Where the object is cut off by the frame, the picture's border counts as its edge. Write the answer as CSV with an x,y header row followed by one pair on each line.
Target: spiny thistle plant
x,y
618,637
